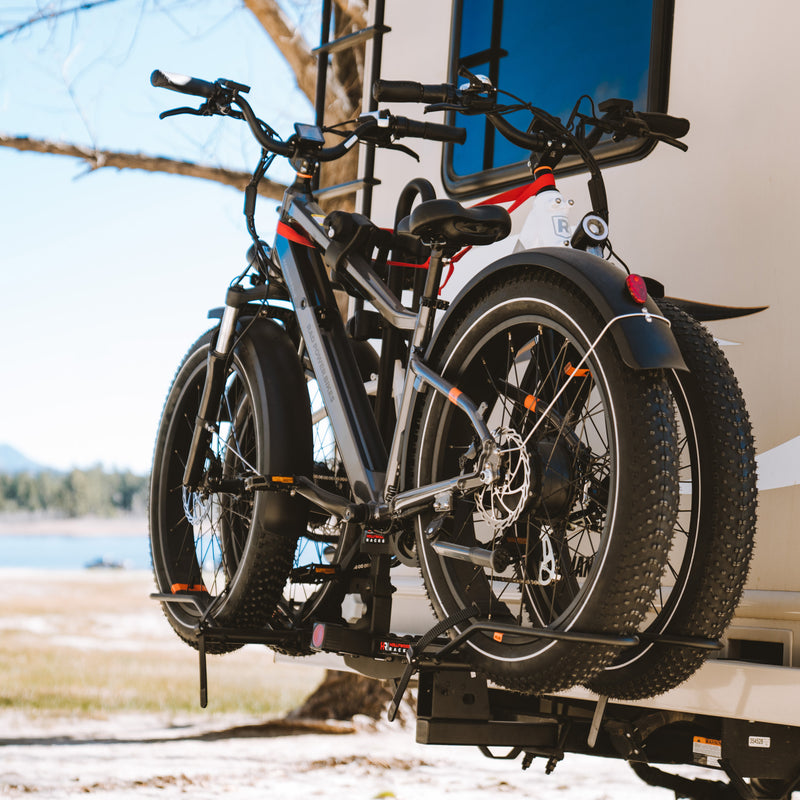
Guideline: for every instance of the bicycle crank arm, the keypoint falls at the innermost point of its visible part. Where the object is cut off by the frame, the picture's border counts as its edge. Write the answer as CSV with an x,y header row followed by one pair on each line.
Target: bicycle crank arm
x,y
334,504
495,560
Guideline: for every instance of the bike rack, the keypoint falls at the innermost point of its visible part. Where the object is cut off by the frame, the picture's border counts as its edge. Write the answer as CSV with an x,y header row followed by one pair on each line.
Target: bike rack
x,y
419,651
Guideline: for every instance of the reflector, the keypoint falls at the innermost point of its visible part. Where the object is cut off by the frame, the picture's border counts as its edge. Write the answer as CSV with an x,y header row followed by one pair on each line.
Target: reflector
x,y
637,288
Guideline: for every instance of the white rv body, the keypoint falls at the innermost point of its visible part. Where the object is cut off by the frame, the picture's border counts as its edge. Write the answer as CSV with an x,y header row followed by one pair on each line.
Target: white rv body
x,y
715,225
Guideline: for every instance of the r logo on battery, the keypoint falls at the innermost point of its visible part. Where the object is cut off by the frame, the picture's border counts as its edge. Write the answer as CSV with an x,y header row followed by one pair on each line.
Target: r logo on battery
x,y
561,227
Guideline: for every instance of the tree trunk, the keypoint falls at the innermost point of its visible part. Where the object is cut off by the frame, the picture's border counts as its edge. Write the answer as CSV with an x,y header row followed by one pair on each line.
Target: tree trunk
x,y
343,695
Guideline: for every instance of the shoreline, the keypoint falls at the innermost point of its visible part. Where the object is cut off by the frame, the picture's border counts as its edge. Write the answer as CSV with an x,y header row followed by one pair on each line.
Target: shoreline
x,y
36,525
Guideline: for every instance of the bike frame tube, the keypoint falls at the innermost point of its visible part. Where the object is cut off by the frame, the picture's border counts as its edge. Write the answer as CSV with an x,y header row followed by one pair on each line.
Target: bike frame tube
x,y
373,477
335,368
306,214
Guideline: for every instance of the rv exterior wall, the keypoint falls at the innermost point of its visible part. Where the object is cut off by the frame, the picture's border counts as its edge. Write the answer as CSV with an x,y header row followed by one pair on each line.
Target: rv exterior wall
x,y
717,224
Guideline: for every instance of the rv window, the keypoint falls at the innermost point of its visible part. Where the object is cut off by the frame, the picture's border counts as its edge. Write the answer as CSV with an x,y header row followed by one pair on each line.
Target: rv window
x,y
550,54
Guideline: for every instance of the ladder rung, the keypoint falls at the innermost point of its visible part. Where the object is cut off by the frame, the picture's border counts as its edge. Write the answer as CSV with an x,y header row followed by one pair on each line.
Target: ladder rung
x,y
351,39
346,188
477,59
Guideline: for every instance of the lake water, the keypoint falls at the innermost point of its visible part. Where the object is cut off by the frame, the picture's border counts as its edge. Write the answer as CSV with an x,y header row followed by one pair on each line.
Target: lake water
x,y
73,552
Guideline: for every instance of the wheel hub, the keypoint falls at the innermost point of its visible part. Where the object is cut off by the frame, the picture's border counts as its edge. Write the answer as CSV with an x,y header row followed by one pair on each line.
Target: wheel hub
x,y
557,477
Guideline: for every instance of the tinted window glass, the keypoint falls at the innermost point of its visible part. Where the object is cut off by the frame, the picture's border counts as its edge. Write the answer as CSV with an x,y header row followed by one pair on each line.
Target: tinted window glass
x,y
550,54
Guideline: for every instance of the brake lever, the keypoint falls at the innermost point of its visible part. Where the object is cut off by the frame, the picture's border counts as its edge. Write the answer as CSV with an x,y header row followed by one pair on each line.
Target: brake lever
x,y
472,106
662,137
203,111
381,134
402,148
208,109
444,107
385,142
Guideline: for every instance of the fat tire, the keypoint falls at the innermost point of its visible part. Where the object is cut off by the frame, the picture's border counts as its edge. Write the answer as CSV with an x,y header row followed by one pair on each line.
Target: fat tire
x,y
715,561
266,417
326,554
641,499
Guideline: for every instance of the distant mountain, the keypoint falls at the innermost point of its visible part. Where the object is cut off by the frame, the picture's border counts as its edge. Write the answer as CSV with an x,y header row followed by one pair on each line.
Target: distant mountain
x,y
12,461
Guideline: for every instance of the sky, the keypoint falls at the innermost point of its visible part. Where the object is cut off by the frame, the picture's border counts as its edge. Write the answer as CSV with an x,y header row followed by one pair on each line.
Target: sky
x,y
106,277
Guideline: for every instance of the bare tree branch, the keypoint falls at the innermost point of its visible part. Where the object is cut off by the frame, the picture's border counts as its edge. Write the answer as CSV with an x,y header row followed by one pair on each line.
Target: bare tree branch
x,y
342,100
356,10
48,12
100,159
297,52
290,41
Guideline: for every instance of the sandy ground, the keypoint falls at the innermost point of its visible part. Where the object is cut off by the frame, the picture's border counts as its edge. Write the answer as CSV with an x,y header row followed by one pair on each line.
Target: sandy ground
x,y
211,755
144,757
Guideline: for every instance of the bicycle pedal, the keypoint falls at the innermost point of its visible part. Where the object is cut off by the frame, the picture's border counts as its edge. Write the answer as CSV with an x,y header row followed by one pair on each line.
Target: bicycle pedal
x,y
314,573
278,483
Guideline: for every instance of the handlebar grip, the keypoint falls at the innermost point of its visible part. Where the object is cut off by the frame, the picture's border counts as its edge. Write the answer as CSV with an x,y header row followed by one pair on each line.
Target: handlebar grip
x,y
412,92
674,127
183,84
429,130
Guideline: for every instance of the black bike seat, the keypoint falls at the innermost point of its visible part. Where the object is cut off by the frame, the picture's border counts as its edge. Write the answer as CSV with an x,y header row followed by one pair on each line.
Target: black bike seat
x,y
449,222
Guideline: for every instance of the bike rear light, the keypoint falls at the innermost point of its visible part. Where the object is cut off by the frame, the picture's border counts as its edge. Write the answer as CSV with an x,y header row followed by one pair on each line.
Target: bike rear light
x,y
637,288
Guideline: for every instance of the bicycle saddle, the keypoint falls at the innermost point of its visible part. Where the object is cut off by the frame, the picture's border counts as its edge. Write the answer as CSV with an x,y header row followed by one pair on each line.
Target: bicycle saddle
x,y
448,221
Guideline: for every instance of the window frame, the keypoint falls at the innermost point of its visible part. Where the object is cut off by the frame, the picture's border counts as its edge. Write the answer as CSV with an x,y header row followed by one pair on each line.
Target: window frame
x,y
479,183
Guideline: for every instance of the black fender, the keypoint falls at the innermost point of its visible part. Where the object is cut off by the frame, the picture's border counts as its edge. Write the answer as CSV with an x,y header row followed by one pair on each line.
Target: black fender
x,y
644,339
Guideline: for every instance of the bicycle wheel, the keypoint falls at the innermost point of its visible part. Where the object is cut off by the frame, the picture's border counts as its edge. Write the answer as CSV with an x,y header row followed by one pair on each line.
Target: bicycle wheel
x,y
327,549
579,543
229,547
714,532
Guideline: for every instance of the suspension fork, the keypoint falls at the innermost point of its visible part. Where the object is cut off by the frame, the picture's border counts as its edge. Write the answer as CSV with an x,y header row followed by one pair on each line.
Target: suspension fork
x,y
216,367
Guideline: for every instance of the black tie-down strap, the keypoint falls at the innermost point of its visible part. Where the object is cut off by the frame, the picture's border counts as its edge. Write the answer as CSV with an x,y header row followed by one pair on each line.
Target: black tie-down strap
x,y
414,654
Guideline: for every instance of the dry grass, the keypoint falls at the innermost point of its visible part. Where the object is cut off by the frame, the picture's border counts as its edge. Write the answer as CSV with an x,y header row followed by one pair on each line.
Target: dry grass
x,y
94,643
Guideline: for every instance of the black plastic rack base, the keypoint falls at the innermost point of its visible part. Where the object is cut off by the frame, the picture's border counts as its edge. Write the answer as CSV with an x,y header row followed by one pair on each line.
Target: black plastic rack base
x,y
429,649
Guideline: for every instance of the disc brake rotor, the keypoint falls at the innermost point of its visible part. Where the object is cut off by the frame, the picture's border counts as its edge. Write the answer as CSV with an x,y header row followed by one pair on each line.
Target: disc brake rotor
x,y
500,503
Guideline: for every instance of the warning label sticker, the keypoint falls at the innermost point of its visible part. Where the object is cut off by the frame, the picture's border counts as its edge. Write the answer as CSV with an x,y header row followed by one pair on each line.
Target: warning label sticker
x,y
706,752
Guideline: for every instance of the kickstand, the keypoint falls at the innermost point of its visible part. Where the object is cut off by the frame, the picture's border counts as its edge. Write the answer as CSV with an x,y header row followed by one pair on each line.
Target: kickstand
x,y
201,650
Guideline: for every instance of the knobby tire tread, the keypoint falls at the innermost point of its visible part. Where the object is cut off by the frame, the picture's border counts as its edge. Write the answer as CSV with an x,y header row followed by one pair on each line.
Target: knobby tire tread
x,y
639,559
727,524
249,600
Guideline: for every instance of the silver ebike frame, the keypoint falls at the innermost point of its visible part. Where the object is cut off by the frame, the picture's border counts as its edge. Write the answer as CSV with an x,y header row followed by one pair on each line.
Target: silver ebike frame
x,y
374,475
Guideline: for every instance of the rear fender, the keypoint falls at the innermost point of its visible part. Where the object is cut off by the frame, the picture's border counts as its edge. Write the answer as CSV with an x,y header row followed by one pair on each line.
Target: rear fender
x,y
644,339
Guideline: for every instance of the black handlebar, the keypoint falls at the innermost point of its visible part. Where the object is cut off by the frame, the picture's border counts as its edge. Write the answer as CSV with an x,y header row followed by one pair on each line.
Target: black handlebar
x,y
662,127
183,84
223,93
